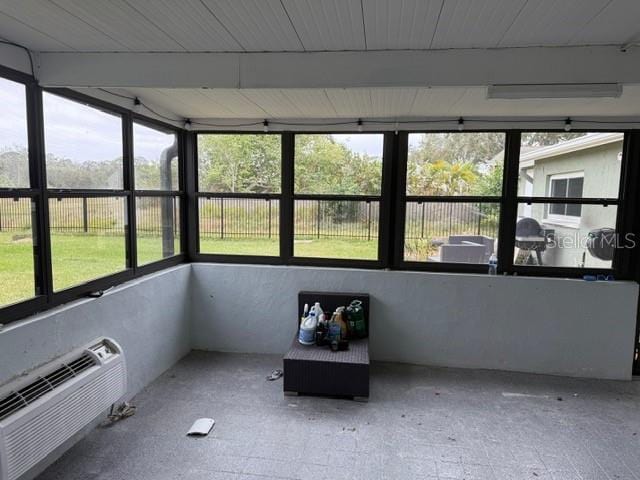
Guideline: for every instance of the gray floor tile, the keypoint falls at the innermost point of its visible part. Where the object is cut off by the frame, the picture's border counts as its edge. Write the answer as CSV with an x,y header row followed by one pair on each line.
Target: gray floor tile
x,y
427,423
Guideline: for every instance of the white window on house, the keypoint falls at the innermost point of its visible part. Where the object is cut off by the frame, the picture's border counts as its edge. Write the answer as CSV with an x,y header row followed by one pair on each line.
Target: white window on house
x,y
566,185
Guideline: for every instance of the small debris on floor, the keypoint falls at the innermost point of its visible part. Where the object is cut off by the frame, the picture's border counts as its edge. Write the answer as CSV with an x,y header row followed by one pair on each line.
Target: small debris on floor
x,y
437,393
201,427
349,429
276,374
451,439
292,405
535,474
122,411
559,399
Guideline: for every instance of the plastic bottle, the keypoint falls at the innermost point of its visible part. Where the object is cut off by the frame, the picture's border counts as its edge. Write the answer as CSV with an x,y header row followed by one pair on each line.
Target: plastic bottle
x,y
319,312
493,265
344,330
307,332
357,323
335,329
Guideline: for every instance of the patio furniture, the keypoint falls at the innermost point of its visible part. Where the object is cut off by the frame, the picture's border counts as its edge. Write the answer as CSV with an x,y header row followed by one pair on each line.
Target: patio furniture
x,y
466,249
467,252
314,370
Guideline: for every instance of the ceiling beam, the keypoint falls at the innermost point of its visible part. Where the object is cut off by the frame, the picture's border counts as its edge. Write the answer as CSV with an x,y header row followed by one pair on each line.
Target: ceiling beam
x,y
458,67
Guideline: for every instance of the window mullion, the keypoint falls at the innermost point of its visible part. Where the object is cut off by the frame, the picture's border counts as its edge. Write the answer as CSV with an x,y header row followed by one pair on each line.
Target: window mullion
x,y
129,187
286,201
42,245
509,203
398,193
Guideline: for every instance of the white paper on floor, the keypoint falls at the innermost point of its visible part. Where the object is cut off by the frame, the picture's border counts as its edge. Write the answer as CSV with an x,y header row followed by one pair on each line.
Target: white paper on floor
x,y
524,395
201,427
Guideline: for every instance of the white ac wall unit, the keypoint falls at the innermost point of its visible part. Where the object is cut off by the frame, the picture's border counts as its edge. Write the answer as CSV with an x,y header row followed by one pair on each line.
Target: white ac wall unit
x,y
42,410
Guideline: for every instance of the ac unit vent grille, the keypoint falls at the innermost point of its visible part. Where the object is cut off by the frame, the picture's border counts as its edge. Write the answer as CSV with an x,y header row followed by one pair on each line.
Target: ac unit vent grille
x,y
19,399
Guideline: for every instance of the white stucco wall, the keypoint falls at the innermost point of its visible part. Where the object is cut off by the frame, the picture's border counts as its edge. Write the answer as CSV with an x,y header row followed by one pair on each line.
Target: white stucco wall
x,y
541,325
146,316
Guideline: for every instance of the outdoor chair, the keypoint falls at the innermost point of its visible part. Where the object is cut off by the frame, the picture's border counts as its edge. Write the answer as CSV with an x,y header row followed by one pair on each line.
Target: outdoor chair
x,y
466,249
487,242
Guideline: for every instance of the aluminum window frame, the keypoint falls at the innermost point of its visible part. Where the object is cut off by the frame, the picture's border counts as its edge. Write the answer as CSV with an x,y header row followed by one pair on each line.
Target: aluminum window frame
x,y
403,198
383,231
196,194
625,188
180,193
45,297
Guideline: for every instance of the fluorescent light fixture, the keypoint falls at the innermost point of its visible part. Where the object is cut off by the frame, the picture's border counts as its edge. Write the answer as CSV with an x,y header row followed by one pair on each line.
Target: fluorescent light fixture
x,y
555,90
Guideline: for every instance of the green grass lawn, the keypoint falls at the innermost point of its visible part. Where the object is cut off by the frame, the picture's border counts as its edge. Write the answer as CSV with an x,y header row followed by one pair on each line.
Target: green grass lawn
x,y
80,258
76,259
321,248
16,267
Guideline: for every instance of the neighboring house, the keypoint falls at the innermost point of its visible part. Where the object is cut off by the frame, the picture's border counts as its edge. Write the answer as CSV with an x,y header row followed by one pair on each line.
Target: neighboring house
x,y
587,166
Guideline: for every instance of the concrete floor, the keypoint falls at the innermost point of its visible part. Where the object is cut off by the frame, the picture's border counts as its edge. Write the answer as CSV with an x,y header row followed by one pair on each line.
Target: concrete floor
x,y
427,423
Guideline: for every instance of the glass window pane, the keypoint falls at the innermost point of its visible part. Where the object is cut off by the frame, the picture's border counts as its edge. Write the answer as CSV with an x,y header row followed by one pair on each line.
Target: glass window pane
x,y
559,188
14,149
456,232
574,188
239,163
339,164
16,251
87,239
155,156
573,210
447,164
585,240
157,228
595,157
83,145
558,209
336,229
239,226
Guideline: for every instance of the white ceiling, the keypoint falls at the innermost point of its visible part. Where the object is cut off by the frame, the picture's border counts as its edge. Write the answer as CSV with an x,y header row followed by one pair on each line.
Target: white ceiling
x,y
330,25
372,103
313,25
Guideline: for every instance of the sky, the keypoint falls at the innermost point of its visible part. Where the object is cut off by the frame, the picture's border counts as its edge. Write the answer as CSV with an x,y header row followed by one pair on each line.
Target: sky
x,y
362,143
13,124
73,130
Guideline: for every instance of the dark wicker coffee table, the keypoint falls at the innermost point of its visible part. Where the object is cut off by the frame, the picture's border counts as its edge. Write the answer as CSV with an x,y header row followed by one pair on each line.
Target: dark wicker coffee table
x,y
316,370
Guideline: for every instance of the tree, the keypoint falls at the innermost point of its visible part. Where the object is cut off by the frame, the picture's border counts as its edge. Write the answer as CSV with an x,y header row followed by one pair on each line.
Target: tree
x,y
65,173
323,165
490,182
14,168
239,163
452,164
542,139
